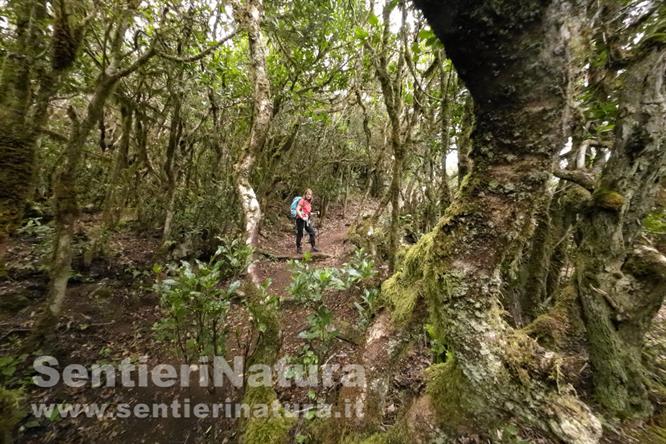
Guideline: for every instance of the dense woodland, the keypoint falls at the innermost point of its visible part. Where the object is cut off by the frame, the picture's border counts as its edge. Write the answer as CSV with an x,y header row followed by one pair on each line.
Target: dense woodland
x,y
488,198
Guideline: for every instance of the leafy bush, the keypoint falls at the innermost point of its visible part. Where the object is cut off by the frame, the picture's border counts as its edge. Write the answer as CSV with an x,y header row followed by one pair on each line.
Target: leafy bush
x,y
367,306
309,284
361,268
361,271
304,360
320,326
265,304
196,304
35,228
42,237
9,369
439,351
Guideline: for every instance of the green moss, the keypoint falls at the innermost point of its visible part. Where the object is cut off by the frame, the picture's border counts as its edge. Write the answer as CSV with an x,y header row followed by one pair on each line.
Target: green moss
x,y
420,274
452,398
574,197
654,433
397,434
401,291
561,325
401,300
549,328
271,428
10,410
400,255
369,235
259,395
608,200
377,438
655,223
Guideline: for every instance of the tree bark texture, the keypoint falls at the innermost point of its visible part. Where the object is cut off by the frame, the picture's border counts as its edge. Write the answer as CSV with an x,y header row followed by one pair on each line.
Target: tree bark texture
x,y
621,284
251,16
23,108
512,58
65,193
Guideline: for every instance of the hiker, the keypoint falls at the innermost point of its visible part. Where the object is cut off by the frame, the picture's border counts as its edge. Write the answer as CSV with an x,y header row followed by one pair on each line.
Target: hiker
x,y
303,210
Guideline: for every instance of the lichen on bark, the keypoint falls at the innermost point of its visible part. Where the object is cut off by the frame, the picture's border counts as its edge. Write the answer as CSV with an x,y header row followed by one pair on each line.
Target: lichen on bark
x,y
511,57
621,285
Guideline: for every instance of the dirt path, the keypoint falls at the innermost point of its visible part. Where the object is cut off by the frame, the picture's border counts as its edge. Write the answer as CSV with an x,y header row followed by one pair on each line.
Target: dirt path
x,y
110,314
331,241
335,251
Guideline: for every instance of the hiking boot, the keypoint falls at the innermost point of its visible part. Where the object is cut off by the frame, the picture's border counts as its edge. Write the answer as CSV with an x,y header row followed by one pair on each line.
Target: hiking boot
x,y
315,249
299,250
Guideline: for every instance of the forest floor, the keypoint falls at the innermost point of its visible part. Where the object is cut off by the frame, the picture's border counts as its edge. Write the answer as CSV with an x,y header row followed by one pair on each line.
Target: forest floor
x,y
110,312
109,315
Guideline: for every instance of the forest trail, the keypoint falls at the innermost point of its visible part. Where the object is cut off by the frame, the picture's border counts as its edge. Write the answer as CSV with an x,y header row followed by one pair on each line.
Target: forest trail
x,y
511,289
112,310
332,240
278,245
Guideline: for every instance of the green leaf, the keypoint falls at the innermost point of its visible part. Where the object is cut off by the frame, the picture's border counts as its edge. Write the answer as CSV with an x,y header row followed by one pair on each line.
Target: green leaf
x,y
360,33
426,34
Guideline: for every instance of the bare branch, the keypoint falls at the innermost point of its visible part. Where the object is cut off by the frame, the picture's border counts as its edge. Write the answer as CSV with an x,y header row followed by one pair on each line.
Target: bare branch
x,y
199,56
142,60
579,177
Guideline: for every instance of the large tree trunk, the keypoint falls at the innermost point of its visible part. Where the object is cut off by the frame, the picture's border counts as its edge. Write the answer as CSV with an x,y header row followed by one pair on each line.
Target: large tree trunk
x,y
23,111
512,57
622,287
65,196
251,15
112,201
391,86
17,146
171,171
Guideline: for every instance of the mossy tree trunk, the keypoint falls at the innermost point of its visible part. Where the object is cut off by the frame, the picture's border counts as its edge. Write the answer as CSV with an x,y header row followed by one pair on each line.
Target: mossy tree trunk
x,y
65,197
65,193
621,285
171,170
548,248
250,15
112,200
177,139
17,145
25,90
512,58
391,86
